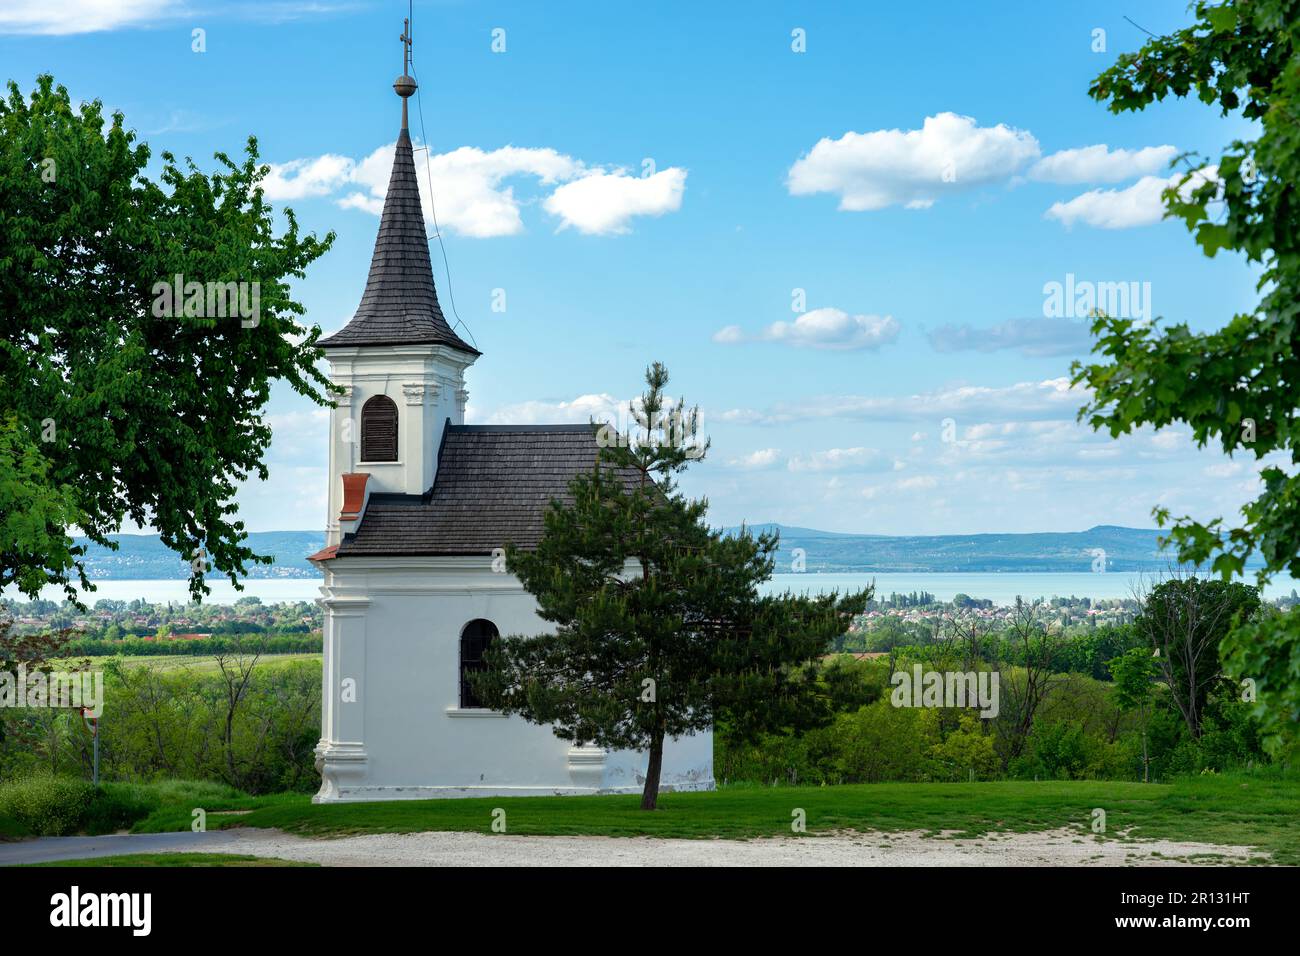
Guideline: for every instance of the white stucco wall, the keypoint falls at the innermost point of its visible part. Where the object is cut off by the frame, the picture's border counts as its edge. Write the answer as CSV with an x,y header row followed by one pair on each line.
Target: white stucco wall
x,y
426,383
392,626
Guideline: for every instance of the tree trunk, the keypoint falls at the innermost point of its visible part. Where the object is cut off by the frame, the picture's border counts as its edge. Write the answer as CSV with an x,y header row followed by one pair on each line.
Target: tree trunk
x,y
650,795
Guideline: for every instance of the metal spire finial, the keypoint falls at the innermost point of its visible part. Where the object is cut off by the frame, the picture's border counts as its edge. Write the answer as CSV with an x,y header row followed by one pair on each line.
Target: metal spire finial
x,y
405,84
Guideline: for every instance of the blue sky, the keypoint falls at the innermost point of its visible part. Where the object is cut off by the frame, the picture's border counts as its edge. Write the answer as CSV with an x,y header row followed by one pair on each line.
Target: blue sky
x,y
921,172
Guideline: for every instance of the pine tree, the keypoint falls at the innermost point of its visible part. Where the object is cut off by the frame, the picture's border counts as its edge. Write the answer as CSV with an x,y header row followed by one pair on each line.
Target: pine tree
x,y
659,626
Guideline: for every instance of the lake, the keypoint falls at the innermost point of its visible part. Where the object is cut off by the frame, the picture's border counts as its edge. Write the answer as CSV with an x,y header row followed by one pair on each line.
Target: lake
x,y
999,588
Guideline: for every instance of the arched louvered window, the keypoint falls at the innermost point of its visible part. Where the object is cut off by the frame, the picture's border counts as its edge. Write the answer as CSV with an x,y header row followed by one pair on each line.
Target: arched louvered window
x,y
474,641
379,429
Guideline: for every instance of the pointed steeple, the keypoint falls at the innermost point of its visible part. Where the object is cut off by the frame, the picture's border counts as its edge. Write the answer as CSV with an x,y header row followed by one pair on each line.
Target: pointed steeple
x,y
400,305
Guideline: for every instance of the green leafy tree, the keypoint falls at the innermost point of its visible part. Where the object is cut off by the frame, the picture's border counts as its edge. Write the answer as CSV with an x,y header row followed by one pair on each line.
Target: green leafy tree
x,y
1264,656
35,512
1185,619
1134,673
32,652
659,627
116,406
1237,386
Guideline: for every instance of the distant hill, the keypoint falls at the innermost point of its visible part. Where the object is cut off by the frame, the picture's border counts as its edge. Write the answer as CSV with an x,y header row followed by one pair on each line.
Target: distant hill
x,y
1127,549
141,557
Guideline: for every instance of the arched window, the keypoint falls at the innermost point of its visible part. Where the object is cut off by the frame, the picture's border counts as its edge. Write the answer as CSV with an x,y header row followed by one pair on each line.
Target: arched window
x,y
474,641
379,429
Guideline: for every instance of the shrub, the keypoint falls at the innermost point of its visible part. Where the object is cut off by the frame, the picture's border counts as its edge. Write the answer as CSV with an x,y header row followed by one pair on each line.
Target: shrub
x,y
882,742
964,750
47,805
116,806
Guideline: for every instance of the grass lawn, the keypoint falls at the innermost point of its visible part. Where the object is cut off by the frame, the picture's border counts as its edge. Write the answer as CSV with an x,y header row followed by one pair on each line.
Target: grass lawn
x,y
176,859
1253,811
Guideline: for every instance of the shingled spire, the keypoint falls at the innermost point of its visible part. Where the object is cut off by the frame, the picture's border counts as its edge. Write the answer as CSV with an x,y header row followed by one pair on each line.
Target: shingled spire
x,y
400,305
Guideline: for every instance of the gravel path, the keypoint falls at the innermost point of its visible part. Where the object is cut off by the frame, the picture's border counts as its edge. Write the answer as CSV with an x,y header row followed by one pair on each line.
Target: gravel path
x,y
1049,848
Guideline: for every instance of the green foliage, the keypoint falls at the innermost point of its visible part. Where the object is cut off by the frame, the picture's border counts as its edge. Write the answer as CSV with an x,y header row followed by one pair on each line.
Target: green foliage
x,y
1090,652
868,740
164,724
1185,619
1064,751
110,412
1084,728
1135,673
965,752
659,628
35,512
47,805
1230,741
43,804
882,742
1239,385
188,647
1267,651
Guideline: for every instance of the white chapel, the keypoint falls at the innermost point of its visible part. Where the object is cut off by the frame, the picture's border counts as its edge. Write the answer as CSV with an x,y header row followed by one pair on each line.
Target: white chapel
x,y
418,504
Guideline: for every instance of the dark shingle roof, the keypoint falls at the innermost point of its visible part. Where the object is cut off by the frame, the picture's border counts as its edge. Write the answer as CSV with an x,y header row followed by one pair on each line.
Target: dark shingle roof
x,y
400,305
493,485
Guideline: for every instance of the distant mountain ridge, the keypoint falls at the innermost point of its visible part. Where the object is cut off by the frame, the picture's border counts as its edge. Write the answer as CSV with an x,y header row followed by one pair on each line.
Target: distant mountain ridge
x,y
1125,549
143,557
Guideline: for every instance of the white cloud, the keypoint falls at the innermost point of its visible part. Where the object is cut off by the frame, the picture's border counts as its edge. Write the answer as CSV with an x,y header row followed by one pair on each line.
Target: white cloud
x,y
1171,439
1099,164
763,458
1224,469
583,409
307,177
1049,399
80,16
603,203
1137,205
842,459
468,183
67,17
911,168
830,329
475,188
